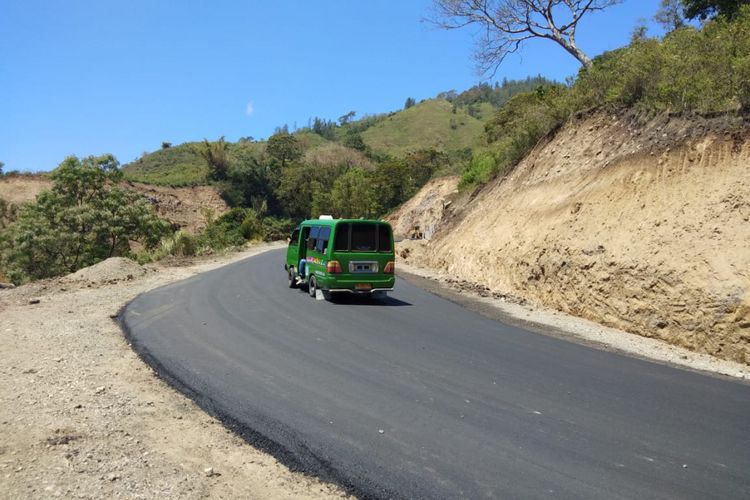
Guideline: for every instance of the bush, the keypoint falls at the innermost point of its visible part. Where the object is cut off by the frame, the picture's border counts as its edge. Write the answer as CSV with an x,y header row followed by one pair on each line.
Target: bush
x,y
277,228
515,130
185,244
482,168
705,71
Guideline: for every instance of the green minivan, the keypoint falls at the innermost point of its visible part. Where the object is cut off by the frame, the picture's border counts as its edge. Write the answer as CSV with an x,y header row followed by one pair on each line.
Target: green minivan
x,y
342,256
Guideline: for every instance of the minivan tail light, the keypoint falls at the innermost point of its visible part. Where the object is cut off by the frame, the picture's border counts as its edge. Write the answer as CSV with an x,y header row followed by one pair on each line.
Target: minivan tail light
x,y
333,266
390,268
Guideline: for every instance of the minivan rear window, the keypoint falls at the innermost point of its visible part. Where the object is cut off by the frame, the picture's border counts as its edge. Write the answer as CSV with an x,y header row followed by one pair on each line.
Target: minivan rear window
x,y
356,237
364,238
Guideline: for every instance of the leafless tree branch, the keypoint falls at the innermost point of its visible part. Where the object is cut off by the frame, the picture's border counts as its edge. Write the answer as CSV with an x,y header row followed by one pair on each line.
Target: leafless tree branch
x,y
507,24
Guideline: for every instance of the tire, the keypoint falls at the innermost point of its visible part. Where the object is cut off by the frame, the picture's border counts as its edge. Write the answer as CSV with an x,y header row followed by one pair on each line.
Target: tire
x,y
379,295
292,278
312,286
327,295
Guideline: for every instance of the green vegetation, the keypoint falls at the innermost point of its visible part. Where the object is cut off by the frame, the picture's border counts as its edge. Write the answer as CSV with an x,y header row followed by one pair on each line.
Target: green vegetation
x,y
83,219
433,124
87,217
703,70
173,166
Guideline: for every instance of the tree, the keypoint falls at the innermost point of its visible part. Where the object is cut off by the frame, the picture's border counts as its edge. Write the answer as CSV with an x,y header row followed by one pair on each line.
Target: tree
x,y
507,24
355,141
707,9
351,196
409,102
640,31
166,145
83,219
1,167
670,14
343,120
284,147
215,154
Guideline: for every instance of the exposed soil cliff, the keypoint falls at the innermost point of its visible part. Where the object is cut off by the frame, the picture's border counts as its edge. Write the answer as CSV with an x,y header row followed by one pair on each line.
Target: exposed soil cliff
x,y
640,226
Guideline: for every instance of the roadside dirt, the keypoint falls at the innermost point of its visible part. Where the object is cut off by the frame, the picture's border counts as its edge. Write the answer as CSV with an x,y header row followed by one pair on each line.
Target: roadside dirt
x,y
639,226
517,311
81,416
185,207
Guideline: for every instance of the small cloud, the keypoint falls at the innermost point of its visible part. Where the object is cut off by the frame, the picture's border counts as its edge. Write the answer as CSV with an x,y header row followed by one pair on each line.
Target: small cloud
x,y
249,108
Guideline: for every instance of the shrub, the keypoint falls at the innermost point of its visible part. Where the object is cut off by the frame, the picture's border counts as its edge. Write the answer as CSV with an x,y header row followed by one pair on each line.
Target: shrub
x,y
185,244
277,228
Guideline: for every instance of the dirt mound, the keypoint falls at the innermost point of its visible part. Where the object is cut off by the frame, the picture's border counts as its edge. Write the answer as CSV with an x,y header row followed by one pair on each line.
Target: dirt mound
x,y
418,217
642,227
112,270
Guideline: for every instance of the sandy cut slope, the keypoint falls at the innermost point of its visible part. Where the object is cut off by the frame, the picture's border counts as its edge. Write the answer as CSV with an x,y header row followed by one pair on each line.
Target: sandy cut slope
x,y
639,226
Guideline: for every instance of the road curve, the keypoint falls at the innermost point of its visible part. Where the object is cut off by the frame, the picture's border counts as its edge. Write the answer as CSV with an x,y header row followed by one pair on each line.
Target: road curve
x,y
416,397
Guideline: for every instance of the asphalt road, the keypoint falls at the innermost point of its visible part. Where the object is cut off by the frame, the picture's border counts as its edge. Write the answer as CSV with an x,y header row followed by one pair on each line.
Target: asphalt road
x,y
417,397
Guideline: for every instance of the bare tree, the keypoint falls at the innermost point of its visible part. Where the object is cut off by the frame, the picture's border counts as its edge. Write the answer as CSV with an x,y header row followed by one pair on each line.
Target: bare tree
x,y
507,24
671,14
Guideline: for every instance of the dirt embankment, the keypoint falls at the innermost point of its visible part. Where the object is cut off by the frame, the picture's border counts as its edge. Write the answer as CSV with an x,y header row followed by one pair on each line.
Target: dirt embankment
x,y
418,218
81,416
185,207
644,227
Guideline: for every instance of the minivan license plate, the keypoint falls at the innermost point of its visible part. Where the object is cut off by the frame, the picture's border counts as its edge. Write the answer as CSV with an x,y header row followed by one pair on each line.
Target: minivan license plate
x,y
362,286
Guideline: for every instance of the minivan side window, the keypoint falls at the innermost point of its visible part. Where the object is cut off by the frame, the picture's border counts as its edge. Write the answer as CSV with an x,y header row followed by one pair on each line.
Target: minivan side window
x,y
323,237
313,237
294,238
341,240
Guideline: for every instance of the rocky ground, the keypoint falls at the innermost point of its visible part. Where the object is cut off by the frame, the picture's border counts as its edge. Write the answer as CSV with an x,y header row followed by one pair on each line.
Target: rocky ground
x,y
81,416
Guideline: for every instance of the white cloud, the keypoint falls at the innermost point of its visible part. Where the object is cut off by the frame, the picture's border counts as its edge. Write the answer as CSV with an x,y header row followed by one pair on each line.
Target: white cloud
x,y
249,108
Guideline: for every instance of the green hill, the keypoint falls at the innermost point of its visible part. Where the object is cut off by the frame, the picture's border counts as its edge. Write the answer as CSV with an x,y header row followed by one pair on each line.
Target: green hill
x,y
432,124
174,166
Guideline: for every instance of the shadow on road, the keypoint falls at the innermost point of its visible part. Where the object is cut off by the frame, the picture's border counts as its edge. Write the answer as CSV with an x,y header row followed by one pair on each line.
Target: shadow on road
x,y
354,300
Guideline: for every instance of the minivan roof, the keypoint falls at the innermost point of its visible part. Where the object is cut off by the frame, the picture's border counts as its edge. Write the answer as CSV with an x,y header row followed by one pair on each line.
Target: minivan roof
x,y
333,222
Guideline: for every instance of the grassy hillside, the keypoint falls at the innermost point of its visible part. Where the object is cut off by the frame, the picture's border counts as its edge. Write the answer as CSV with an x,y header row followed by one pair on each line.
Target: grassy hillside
x,y
432,124
175,166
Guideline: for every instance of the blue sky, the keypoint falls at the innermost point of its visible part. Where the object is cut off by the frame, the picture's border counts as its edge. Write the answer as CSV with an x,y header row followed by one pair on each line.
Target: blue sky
x,y
92,77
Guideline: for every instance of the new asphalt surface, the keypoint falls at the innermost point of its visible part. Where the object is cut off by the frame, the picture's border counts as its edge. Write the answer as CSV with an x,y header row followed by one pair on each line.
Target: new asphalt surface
x,y
417,397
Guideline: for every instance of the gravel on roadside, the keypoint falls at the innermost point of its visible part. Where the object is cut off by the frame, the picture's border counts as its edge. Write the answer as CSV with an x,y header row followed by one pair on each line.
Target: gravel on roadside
x,y
81,416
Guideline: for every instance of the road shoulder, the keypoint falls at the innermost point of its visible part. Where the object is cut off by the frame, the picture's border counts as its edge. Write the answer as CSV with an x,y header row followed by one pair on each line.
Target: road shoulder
x,y
81,415
517,312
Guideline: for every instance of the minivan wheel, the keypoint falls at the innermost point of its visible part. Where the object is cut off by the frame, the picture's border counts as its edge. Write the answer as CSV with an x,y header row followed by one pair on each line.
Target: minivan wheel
x,y
312,287
292,278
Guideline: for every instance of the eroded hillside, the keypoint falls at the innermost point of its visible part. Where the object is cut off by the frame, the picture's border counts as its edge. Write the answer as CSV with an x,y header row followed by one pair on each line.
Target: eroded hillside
x,y
640,226
185,207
